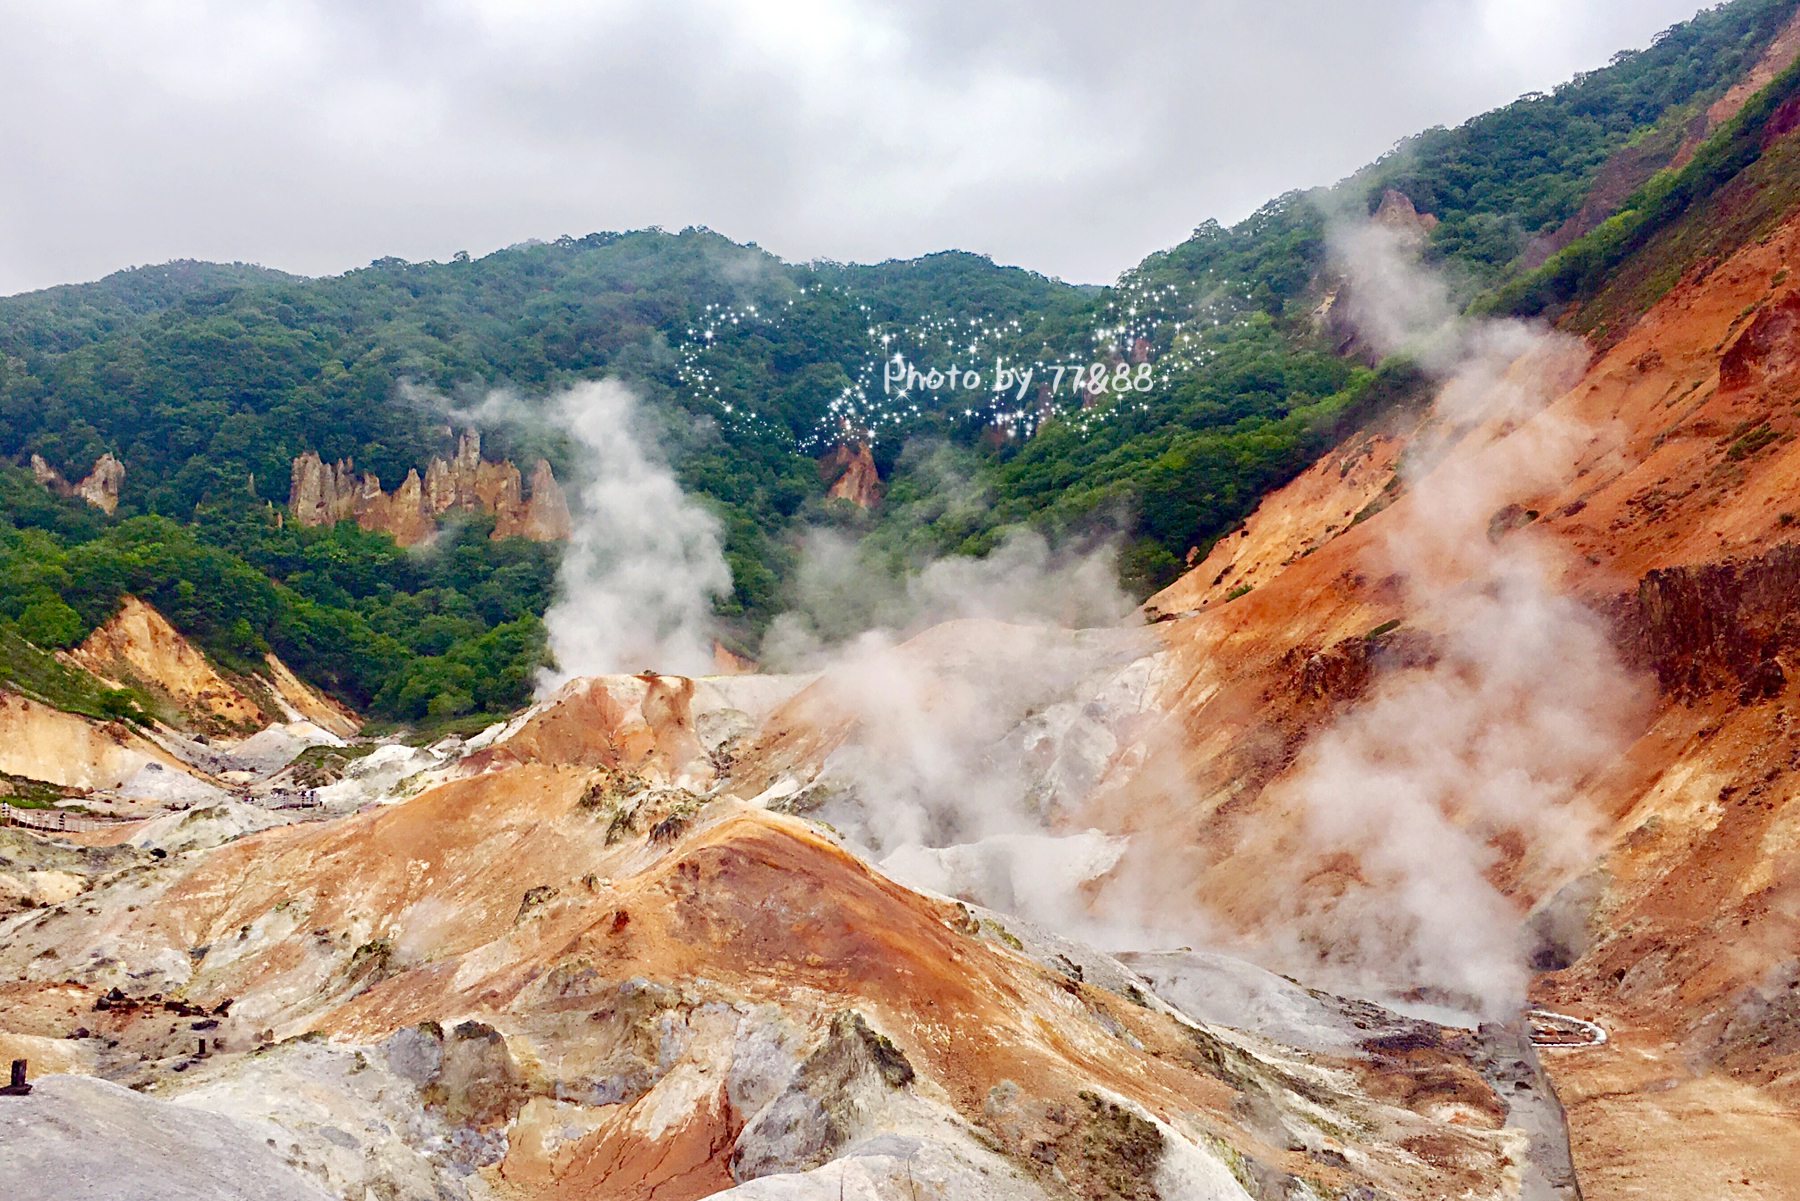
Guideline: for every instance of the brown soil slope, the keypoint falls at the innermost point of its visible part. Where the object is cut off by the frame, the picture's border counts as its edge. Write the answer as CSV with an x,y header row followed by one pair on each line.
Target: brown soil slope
x,y
1662,491
1323,502
138,644
619,980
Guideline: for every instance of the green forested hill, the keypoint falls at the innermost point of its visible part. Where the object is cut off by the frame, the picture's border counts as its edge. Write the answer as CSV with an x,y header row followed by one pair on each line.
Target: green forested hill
x,y
206,380
1521,171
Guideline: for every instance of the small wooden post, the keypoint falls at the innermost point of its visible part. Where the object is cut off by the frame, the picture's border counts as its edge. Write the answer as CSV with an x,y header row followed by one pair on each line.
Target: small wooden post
x,y
18,1087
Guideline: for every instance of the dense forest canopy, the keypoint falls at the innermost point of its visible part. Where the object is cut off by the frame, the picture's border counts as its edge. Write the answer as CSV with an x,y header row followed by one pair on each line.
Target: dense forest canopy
x,y
1159,409
1519,172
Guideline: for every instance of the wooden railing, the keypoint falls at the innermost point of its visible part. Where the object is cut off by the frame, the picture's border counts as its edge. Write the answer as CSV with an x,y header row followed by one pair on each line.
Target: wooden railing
x,y
288,799
60,820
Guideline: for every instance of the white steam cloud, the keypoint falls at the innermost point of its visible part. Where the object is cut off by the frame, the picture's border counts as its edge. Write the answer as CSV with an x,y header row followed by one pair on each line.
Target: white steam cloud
x,y
965,689
644,562
1491,745
637,583
841,593
968,747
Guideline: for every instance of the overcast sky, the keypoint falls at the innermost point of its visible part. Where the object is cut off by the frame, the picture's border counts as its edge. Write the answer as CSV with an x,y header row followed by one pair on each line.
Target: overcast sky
x,y
1071,138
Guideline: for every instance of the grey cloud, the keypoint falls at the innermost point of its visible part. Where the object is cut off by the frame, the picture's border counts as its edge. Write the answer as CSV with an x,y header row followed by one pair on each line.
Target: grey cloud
x,y
314,135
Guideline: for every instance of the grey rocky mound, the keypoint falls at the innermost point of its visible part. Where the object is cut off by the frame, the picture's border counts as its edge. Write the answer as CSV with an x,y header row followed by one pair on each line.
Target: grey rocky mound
x,y
78,1139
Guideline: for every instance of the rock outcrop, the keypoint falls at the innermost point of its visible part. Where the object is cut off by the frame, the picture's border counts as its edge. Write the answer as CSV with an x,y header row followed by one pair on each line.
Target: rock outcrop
x,y
322,493
1396,212
1715,626
545,516
49,476
138,645
850,472
302,703
1340,309
99,488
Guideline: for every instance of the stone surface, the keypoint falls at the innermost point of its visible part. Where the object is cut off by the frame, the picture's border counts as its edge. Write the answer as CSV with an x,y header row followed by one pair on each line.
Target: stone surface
x,y
138,645
851,475
322,493
80,1139
101,487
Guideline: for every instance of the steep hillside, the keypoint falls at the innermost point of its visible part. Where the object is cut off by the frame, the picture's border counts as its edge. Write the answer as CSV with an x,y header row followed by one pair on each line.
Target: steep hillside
x,y
1159,410
408,636
1435,836
139,645
1656,490
1518,729
561,970
1514,186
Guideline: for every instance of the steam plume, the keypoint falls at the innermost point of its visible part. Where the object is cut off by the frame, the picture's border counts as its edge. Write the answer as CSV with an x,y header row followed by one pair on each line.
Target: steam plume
x,y
964,687
644,563
842,592
1526,700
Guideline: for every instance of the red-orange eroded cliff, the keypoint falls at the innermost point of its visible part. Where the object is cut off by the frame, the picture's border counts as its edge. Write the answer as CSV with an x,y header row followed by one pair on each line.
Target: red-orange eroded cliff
x,y
1660,492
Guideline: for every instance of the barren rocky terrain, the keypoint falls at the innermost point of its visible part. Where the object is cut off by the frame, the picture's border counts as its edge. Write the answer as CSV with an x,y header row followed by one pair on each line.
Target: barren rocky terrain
x,y
1434,835
672,938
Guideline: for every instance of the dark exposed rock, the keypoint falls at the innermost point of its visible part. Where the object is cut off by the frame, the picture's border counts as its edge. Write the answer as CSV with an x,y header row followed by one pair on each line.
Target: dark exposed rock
x,y
1563,925
1508,519
1344,670
1715,626
1764,348
1762,1028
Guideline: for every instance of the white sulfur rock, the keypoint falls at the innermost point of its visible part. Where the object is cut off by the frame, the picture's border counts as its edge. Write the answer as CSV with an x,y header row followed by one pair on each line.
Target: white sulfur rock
x,y
80,1139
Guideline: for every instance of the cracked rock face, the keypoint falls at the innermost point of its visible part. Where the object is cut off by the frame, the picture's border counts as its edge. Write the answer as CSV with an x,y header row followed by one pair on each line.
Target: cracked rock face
x,y
322,493
100,487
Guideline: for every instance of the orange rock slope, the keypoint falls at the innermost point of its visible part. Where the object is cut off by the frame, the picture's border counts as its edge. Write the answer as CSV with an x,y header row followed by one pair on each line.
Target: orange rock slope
x,y
604,986
850,474
1661,490
1323,502
139,644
